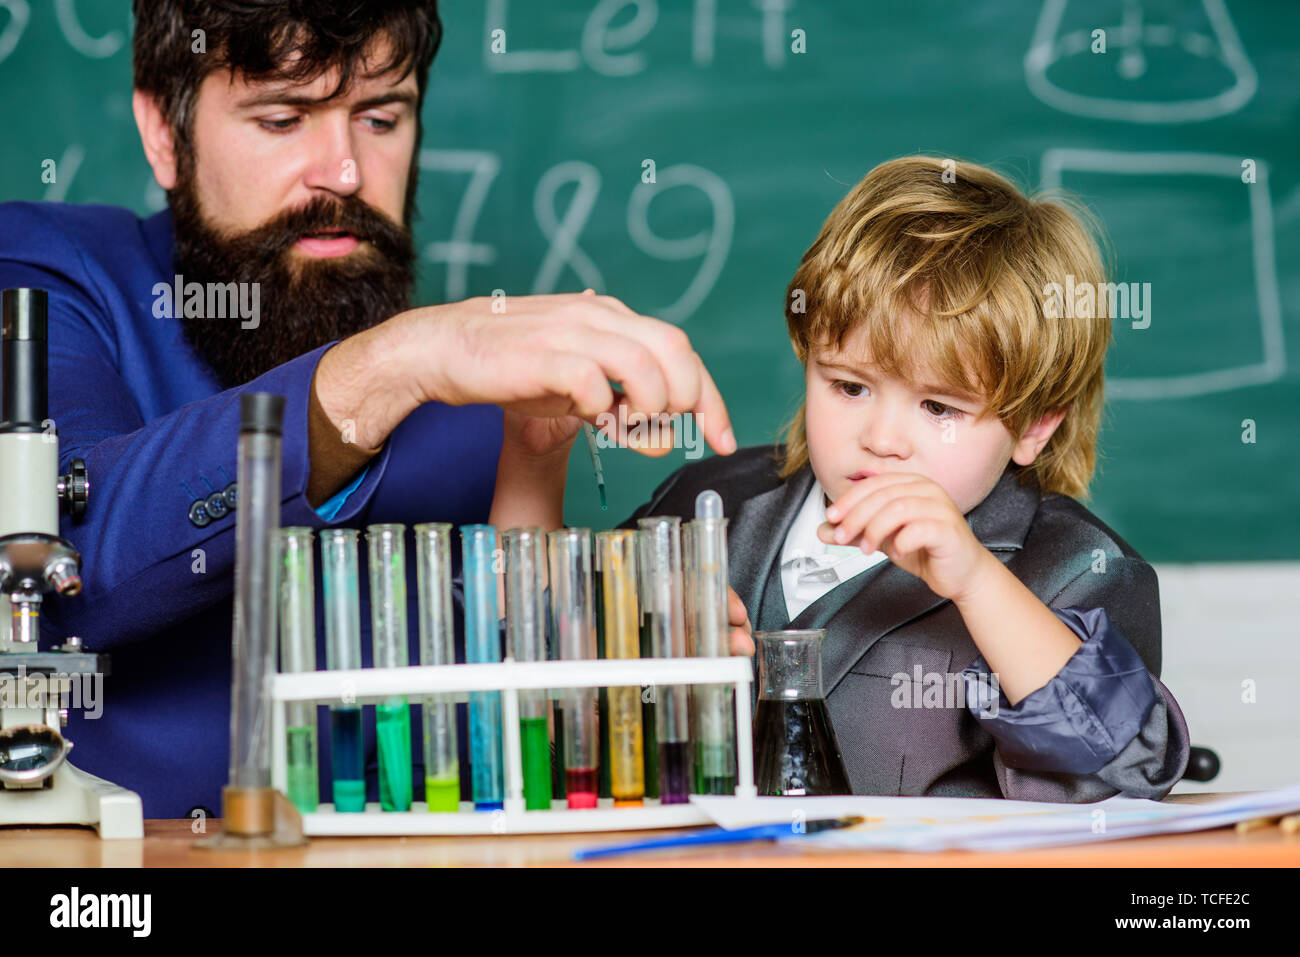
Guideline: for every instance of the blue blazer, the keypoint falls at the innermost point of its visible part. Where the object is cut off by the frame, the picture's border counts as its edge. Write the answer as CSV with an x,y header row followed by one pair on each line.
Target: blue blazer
x,y
158,432
1104,725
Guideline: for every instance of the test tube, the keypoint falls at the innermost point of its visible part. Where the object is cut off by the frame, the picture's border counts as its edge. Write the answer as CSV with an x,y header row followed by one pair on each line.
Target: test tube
x,y
342,602
483,645
526,637
437,647
298,654
707,598
257,523
575,630
388,635
617,559
661,570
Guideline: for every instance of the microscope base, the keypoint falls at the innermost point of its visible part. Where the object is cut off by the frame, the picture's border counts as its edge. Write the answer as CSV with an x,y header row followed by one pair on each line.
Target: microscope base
x,y
76,797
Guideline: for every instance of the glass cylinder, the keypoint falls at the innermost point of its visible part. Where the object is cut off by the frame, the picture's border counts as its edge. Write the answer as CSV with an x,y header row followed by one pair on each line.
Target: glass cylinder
x,y
483,645
574,628
437,647
257,523
795,751
660,567
616,551
525,550
713,720
388,636
342,604
298,654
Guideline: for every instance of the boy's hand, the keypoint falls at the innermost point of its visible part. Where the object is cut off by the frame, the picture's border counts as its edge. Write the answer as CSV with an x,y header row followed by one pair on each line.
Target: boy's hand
x,y
916,524
742,641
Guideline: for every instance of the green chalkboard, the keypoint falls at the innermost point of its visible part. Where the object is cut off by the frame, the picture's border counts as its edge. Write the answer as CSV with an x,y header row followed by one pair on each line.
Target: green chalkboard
x,y
532,168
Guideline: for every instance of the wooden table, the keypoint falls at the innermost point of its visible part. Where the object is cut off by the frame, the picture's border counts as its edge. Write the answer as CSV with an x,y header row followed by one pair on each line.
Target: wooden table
x,y
170,844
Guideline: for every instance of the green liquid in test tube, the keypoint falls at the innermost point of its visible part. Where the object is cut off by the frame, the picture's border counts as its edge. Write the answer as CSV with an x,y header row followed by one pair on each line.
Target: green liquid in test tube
x,y
525,550
387,554
437,647
298,654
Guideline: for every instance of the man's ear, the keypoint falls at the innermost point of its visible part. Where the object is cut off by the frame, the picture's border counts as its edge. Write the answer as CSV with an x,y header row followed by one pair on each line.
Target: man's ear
x,y
1036,436
156,136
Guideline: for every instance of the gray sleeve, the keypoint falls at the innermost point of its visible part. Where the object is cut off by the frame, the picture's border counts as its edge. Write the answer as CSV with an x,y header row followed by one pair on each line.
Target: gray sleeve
x,y
1147,767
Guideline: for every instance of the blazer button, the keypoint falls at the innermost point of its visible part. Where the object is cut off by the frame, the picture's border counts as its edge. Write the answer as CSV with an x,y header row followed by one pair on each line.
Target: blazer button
x,y
216,504
231,495
199,513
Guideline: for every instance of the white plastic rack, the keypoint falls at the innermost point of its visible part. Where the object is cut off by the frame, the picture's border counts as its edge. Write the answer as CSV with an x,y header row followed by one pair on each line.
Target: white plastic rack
x,y
454,683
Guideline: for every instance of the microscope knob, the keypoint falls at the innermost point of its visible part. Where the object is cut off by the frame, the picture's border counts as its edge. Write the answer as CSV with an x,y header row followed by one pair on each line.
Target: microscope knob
x,y
74,489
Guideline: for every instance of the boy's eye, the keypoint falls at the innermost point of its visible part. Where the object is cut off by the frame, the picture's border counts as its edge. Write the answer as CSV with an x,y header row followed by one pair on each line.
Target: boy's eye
x,y
850,389
945,411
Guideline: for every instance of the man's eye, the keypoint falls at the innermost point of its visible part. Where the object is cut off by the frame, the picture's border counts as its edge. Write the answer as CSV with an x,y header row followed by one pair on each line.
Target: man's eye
x,y
278,126
850,389
381,126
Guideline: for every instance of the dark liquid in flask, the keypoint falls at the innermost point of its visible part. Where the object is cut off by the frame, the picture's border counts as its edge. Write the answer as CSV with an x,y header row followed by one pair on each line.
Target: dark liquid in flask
x,y
795,752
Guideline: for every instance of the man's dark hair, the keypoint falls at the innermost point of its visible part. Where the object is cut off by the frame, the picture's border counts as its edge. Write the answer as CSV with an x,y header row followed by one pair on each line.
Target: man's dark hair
x,y
256,37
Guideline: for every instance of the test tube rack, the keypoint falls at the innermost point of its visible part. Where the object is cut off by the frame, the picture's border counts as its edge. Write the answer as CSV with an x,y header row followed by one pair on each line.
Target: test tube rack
x,y
454,683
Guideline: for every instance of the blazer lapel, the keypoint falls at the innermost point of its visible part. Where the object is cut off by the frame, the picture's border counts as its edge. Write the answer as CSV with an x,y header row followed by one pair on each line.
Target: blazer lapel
x,y
756,534
857,620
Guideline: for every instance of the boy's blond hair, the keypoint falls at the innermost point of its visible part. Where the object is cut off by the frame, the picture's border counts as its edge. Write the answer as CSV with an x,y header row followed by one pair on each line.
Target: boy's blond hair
x,y
972,258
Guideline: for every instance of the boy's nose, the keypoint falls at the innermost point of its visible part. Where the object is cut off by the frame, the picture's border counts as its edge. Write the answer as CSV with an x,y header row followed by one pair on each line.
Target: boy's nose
x,y
883,435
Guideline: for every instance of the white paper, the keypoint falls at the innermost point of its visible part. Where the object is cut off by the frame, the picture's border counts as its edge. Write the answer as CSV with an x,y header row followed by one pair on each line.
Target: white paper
x,y
942,823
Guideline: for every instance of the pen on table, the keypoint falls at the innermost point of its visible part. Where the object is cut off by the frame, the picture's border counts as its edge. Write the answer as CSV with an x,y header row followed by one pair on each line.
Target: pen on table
x,y
595,461
719,835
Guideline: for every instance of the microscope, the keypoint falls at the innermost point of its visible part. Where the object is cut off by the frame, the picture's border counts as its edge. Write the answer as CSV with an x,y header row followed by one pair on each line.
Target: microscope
x,y
37,783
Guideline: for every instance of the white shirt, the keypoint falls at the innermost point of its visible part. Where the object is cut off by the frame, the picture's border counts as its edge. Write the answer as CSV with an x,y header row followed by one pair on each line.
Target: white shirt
x,y
809,567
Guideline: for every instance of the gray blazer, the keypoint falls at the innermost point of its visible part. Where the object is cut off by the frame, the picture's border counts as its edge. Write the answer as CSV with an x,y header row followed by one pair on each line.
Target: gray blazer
x,y
885,621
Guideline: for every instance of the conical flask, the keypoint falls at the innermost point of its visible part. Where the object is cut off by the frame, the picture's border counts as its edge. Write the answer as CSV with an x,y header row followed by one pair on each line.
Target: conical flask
x,y
795,751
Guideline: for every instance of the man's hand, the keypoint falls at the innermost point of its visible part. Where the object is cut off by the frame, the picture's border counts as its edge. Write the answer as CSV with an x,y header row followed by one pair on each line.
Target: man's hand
x,y
742,640
552,356
917,525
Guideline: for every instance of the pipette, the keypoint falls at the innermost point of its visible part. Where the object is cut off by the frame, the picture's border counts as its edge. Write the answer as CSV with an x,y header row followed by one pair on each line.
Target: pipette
x,y
526,638
483,646
342,604
388,635
707,585
595,461
660,564
575,630
437,647
298,654
617,560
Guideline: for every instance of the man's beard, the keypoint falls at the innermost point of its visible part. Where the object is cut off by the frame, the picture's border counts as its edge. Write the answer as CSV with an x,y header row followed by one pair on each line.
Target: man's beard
x,y
303,304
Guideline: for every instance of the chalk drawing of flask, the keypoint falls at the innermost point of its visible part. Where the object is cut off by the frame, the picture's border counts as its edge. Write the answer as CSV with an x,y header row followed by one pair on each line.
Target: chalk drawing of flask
x,y
1151,62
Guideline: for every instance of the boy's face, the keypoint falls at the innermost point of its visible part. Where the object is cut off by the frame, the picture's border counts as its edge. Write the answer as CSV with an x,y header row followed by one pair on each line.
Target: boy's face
x,y
861,423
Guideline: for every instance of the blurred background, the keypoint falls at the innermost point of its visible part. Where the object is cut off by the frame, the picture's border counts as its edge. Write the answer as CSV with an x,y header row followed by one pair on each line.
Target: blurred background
x,y
1177,121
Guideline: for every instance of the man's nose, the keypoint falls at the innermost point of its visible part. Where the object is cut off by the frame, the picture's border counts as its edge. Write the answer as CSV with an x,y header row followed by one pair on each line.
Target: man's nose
x,y
333,164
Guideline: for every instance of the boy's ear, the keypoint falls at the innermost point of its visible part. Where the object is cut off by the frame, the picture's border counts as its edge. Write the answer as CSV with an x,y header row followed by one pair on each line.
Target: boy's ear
x,y
1036,436
156,136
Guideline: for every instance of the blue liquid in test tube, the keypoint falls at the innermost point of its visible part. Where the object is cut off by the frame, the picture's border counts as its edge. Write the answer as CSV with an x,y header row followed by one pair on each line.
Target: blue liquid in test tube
x,y
483,645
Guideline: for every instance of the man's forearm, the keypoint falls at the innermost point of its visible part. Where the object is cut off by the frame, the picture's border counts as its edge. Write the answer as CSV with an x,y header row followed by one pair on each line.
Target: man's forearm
x,y
356,401
1022,640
